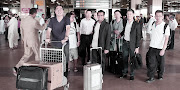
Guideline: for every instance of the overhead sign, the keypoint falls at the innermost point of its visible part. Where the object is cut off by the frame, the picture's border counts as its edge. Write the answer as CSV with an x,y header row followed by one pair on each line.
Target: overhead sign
x,y
40,2
25,10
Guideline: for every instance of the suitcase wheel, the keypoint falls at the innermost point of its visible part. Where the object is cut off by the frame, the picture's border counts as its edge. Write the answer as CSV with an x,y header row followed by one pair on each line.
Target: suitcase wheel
x,y
66,87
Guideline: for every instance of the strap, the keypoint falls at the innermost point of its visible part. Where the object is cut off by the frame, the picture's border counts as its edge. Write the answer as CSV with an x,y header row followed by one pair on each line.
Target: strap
x,y
165,26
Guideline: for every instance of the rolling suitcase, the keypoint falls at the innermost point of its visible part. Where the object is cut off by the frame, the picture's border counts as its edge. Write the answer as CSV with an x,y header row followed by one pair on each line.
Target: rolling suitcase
x,y
32,78
93,74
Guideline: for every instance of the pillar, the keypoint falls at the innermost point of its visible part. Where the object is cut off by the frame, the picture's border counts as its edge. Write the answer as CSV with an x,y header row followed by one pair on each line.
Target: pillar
x,y
154,5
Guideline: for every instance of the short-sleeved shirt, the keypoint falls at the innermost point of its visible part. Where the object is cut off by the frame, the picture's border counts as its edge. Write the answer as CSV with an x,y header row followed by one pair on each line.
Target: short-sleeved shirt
x,y
72,35
158,35
58,30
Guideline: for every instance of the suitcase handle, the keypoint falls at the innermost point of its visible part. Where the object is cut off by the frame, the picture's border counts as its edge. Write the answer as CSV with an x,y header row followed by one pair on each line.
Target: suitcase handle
x,y
100,53
46,43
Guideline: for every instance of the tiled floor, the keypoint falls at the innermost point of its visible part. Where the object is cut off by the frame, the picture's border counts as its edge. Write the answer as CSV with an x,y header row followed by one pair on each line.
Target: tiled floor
x,y
9,58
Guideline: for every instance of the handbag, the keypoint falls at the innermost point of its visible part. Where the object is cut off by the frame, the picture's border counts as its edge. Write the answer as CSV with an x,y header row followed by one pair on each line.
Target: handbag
x,y
136,61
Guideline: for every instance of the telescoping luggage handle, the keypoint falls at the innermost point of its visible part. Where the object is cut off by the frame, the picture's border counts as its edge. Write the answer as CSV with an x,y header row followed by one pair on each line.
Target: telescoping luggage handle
x,y
100,53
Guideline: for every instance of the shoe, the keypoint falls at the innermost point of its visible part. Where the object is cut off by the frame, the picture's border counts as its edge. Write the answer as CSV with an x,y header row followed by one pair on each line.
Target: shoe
x,y
123,76
75,70
150,80
15,71
131,78
160,78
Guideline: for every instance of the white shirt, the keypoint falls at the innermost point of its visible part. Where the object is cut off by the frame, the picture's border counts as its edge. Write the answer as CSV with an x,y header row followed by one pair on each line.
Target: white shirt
x,y
96,35
86,26
128,30
72,35
158,36
173,24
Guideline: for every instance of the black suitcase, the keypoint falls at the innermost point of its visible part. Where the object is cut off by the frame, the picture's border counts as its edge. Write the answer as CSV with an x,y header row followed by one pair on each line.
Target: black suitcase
x,y
32,78
115,62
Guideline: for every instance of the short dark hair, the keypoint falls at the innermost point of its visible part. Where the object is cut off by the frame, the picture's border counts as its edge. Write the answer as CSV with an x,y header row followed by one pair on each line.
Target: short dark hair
x,y
172,16
158,11
32,11
72,12
117,11
130,10
101,11
57,6
88,10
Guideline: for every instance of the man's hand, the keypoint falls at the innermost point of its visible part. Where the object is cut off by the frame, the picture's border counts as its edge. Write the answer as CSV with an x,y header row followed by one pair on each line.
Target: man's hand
x,y
106,51
116,32
63,41
47,40
78,43
136,50
162,52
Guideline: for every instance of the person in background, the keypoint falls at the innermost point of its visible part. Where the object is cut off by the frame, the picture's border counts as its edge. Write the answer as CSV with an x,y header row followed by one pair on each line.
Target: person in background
x,y
6,20
19,23
95,16
74,38
13,35
173,25
29,36
86,28
42,33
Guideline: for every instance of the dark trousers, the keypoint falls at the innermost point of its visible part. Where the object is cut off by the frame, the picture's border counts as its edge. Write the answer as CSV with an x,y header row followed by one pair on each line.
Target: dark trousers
x,y
171,46
19,33
85,47
155,63
97,57
6,33
126,53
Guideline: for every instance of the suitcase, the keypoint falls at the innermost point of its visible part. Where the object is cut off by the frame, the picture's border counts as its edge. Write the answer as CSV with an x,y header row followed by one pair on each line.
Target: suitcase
x,y
115,62
55,73
32,78
93,77
93,73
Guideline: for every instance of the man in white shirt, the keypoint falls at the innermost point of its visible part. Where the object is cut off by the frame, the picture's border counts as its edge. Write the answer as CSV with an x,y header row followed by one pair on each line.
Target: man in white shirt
x,y
131,43
173,25
86,27
158,44
101,38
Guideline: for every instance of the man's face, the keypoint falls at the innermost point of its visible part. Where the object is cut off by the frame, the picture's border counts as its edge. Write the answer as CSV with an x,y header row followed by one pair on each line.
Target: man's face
x,y
130,15
100,16
59,11
43,16
88,14
72,18
159,17
117,15
95,15
34,15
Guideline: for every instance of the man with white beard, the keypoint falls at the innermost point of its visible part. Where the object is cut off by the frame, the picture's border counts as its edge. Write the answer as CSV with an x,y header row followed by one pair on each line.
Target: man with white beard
x,y
13,35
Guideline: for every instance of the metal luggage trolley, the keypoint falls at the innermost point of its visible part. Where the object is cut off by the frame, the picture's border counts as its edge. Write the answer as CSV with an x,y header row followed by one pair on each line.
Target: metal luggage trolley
x,y
55,55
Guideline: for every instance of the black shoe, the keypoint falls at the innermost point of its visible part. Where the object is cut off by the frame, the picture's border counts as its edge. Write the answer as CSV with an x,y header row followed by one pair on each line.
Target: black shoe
x,y
123,76
150,80
15,71
131,78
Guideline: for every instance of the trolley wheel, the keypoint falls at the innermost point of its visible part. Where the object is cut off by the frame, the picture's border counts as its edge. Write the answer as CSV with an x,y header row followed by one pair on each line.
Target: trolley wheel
x,y
66,87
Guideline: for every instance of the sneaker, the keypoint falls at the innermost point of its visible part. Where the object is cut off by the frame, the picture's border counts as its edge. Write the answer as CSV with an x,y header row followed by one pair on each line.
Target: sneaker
x,y
160,78
123,76
150,80
131,78
15,71
75,70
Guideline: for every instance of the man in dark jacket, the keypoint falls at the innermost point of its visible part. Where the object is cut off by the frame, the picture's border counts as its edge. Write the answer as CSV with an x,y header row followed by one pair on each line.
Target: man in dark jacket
x,y
131,42
101,38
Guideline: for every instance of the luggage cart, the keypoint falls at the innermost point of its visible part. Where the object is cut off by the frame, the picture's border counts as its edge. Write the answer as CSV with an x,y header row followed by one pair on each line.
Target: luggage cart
x,y
55,55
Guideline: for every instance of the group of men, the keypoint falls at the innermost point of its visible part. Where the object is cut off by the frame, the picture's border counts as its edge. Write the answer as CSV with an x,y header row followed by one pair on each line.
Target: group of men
x,y
94,34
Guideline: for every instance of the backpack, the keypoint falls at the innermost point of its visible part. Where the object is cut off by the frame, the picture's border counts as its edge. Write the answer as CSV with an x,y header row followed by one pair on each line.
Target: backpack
x,y
165,26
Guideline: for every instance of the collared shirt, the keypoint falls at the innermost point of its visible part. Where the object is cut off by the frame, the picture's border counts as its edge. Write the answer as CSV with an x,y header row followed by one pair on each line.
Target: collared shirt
x,y
86,26
158,36
116,26
96,35
73,35
173,24
128,30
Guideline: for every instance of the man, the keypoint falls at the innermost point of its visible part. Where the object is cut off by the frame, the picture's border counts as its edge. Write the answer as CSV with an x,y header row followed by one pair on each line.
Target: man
x,y
101,38
173,25
158,44
131,42
116,29
86,27
29,34
58,30
95,16
74,38
42,33
13,35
